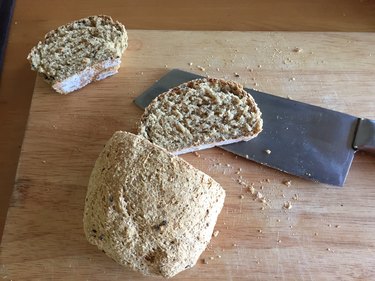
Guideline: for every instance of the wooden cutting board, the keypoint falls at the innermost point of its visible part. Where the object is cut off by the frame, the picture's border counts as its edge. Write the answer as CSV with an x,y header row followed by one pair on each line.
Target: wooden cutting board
x,y
329,233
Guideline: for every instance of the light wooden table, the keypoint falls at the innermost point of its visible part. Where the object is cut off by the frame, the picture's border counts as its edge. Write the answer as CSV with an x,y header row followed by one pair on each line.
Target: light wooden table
x,y
32,19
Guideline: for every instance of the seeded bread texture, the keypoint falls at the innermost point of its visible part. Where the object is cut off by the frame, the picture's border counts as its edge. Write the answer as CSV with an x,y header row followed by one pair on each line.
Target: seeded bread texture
x,y
200,114
80,52
148,209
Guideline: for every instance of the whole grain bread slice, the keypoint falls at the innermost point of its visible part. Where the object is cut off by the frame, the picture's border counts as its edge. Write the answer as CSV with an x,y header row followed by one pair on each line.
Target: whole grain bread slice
x,y
200,114
80,52
148,209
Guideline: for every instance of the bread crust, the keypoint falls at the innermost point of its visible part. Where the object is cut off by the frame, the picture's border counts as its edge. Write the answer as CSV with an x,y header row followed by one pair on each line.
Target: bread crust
x,y
149,210
173,140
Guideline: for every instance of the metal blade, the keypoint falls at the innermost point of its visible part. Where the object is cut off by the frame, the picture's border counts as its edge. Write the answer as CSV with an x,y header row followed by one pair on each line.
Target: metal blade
x,y
300,139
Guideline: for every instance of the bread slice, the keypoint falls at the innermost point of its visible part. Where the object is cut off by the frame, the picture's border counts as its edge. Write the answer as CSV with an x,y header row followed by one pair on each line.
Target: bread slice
x,y
148,209
83,51
200,114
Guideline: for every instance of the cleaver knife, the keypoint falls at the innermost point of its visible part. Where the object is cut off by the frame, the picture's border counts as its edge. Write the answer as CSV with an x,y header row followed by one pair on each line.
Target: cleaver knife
x,y
304,140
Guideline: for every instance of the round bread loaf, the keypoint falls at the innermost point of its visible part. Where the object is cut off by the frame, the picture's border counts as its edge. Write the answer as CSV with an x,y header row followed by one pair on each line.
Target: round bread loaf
x,y
148,209
200,114
80,52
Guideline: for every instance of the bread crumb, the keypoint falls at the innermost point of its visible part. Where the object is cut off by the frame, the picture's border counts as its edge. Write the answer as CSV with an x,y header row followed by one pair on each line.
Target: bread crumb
x,y
292,79
329,225
197,154
259,66
251,189
288,183
268,151
255,84
242,197
278,241
316,234
295,197
201,68
287,205
234,245
337,226
278,220
262,208
289,97
44,161
259,230
259,195
212,258
297,50
204,261
228,165
236,74
166,66
216,233
190,63
247,156
268,180
218,256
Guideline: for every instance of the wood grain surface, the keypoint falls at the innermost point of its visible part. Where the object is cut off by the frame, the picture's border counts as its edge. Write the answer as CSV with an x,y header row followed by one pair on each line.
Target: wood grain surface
x,y
32,19
328,233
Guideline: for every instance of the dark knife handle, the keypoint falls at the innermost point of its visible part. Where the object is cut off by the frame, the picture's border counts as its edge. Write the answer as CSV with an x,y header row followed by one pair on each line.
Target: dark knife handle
x,y
365,137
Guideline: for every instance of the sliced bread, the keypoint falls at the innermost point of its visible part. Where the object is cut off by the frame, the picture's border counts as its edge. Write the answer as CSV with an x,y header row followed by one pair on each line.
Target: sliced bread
x,y
80,52
200,114
148,209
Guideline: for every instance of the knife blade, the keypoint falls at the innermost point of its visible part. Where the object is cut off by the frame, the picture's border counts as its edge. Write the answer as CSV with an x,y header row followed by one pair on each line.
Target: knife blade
x,y
300,139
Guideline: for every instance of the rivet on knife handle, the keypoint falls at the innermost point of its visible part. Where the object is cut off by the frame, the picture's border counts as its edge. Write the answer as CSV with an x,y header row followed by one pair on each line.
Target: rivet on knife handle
x,y
365,136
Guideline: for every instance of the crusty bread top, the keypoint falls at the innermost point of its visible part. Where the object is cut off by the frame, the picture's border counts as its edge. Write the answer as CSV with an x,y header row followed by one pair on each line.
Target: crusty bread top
x,y
148,209
71,48
200,114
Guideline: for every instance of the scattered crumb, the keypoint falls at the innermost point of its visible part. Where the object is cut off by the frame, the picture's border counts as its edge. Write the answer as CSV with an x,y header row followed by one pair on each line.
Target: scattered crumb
x,y
259,66
141,72
259,195
166,66
268,151
236,74
234,245
262,208
290,226
278,241
251,70
337,226
288,183
259,230
190,63
251,189
297,50
197,154
212,258
289,97
268,180
261,187
287,205
295,197
329,225
228,165
292,79
247,156
204,261
316,234
256,84
216,233
242,197
218,69
218,256
278,220
16,22
201,68
44,161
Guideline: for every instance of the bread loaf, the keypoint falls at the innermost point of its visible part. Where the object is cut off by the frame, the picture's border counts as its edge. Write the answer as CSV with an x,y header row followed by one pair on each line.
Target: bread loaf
x,y
200,114
80,52
148,209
